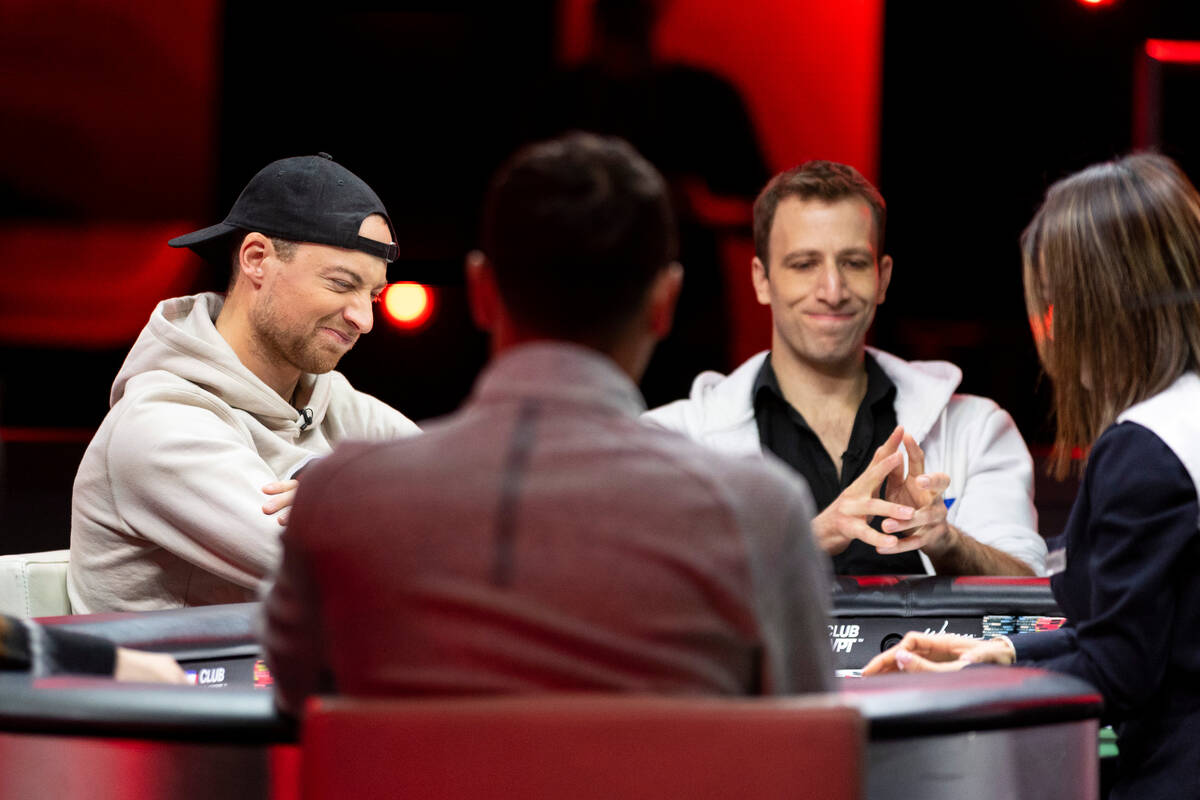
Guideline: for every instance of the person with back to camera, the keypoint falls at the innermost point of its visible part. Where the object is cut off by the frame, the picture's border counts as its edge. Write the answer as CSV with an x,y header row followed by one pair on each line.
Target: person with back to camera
x,y
1112,286
547,540
223,400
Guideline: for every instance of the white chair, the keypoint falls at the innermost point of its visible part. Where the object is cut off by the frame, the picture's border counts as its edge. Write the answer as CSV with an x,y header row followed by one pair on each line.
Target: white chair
x,y
34,584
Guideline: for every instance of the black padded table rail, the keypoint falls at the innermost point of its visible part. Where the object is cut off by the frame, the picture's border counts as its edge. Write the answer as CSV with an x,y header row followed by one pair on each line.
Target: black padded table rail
x,y
203,632
901,705
960,732
973,699
102,707
941,596
895,706
872,613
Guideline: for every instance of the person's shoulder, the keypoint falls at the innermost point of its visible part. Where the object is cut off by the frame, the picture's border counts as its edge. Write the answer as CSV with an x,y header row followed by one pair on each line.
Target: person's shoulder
x,y
977,426
1131,460
161,388
1170,415
394,458
158,402
920,373
928,379
716,401
743,480
1131,442
974,407
364,415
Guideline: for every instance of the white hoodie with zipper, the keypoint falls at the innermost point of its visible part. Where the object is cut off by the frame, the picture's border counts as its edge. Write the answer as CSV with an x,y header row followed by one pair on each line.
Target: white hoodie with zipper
x,y
167,505
971,438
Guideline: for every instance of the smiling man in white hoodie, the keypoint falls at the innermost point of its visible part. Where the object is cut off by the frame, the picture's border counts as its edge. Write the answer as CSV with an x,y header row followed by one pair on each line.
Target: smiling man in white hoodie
x,y
833,408
222,401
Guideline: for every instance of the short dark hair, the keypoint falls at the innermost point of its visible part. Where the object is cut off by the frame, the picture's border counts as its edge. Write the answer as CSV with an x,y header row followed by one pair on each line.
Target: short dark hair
x,y
828,181
576,229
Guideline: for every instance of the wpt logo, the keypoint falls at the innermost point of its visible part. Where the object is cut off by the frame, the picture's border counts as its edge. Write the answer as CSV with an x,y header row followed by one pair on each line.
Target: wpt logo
x,y
211,676
843,637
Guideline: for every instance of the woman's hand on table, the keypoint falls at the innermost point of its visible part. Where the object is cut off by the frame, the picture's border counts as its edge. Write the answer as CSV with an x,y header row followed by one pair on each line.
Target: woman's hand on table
x,y
940,652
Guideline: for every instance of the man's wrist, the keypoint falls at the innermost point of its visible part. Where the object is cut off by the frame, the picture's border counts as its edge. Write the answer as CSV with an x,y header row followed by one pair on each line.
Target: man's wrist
x,y
945,545
825,535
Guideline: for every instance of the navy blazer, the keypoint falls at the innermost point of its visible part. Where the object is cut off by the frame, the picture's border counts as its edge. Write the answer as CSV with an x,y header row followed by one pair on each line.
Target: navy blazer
x,y
1131,592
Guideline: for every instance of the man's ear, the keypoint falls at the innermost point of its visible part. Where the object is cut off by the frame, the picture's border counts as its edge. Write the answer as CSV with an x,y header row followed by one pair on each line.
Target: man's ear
x,y
762,284
885,278
482,294
252,256
664,294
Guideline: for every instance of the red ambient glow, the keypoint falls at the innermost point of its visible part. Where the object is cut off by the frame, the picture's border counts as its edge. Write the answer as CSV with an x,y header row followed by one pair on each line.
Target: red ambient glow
x,y
407,305
1043,329
1173,51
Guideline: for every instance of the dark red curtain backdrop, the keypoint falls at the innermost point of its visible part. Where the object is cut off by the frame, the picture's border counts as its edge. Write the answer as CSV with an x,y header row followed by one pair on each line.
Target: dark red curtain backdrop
x,y
809,70
108,121
810,73
108,132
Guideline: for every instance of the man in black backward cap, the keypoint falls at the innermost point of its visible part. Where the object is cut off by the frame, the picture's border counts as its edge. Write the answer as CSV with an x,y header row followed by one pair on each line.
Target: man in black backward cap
x,y
223,400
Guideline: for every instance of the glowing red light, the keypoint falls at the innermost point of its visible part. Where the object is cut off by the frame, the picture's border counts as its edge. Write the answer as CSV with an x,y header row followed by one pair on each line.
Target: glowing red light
x,y
1094,3
1173,51
1043,329
407,305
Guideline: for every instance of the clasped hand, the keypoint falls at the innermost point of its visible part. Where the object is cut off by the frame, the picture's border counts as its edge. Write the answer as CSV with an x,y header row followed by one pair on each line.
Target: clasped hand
x,y
910,503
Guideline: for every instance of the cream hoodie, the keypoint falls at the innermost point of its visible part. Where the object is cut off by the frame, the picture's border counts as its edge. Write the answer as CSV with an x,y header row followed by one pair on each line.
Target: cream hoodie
x,y
167,506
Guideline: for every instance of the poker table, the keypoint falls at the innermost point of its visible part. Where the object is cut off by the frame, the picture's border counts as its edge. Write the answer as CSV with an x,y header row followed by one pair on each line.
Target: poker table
x,y
872,613
984,732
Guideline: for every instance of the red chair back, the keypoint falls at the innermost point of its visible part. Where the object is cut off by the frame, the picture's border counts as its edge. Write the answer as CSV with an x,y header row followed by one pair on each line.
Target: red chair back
x,y
583,748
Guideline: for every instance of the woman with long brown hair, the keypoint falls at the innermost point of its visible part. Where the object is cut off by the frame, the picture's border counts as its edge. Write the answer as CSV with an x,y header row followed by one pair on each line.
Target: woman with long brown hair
x,y
1112,285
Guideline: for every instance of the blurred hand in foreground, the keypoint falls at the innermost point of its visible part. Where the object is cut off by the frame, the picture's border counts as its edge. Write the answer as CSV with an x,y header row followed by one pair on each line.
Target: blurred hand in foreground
x,y
139,666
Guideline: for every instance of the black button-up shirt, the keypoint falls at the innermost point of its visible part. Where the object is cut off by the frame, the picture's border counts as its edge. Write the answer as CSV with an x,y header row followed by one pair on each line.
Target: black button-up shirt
x,y
784,432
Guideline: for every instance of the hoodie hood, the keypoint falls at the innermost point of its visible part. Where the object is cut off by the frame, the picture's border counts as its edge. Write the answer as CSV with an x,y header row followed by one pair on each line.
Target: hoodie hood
x,y
923,389
182,339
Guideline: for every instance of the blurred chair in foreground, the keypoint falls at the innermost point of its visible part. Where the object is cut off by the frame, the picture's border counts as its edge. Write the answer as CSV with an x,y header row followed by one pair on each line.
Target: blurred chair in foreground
x,y
583,747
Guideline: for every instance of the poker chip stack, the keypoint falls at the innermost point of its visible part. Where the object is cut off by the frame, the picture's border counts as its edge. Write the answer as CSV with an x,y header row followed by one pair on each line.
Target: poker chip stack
x,y
1048,623
1007,625
998,625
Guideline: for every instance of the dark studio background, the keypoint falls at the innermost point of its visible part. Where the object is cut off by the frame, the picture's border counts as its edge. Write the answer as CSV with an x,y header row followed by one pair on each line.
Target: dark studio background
x,y
121,128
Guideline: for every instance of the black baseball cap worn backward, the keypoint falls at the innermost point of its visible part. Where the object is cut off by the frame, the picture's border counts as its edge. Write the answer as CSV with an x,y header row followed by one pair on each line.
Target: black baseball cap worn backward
x,y
302,199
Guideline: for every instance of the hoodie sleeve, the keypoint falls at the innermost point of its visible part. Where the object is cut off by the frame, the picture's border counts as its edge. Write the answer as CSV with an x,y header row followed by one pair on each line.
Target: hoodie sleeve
x,y
994,503
185,475
355,415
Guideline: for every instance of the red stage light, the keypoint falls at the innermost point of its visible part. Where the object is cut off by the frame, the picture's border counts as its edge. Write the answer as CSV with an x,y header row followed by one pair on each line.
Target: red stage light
x,y
1173,51
408,305
1094,3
